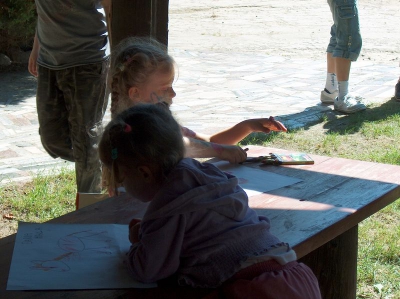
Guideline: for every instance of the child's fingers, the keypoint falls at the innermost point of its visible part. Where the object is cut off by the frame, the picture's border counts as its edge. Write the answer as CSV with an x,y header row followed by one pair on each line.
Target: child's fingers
x,y
234,154
134,233
277,125
281,126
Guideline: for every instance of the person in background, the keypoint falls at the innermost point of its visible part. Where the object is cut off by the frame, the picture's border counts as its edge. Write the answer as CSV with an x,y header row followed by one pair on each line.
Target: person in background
x,y
344,47
70,60
198,229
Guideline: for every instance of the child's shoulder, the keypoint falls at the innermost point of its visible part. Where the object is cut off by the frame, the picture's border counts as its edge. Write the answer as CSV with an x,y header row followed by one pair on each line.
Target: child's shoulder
x,y
203,172
198,165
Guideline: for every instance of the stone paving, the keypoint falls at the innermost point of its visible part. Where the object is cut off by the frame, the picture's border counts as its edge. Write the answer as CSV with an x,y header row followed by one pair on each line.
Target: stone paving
x,y
214,91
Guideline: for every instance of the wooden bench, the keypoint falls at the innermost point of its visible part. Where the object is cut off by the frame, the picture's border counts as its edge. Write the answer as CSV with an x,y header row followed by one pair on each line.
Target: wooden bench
x,y
318,216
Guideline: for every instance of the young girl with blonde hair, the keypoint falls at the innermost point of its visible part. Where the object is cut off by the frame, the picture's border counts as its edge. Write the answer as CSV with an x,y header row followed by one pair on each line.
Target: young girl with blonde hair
x,y
142,72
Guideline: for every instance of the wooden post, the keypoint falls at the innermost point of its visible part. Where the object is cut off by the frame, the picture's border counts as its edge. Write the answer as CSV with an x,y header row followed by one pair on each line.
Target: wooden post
x,y
341,252
139,18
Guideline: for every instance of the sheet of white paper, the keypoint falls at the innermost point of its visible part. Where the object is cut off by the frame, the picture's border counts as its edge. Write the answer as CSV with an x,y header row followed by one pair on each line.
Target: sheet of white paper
x,y
255,181
70,256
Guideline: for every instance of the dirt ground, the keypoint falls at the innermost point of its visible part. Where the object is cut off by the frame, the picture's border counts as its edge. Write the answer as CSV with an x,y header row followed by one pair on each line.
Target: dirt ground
x,y
293,29
287,28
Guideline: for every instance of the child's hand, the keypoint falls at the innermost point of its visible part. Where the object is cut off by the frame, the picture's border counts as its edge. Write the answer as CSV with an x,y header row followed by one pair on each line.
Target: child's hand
x,y
232,153
266,125
134,227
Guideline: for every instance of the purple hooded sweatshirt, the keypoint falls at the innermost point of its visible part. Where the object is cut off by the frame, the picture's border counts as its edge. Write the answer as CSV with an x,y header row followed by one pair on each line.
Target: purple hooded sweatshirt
x,y
198,226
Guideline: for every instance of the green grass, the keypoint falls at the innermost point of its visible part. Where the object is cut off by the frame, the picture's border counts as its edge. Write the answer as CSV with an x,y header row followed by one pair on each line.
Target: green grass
x,y
44,198
379,255
372,135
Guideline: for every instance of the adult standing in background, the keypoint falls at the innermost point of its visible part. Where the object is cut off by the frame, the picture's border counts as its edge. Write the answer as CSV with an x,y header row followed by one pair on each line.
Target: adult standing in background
x,y
344,47
70,60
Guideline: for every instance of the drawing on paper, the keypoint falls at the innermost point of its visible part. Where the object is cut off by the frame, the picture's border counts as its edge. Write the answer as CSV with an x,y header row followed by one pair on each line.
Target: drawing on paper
x,y
75,244
71,256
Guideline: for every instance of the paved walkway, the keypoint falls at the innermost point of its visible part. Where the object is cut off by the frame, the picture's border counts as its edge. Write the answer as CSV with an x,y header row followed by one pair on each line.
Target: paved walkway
x,y
215,90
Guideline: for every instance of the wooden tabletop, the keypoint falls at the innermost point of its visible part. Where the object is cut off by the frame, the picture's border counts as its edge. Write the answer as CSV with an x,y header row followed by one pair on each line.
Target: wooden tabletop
x,y
334,195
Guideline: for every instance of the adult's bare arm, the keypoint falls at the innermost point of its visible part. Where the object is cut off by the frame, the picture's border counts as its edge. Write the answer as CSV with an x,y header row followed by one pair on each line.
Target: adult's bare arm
x,y
32,63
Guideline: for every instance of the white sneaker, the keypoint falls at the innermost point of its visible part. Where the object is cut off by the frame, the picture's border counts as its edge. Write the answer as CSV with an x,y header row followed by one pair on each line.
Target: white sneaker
x,y
349,104
328,97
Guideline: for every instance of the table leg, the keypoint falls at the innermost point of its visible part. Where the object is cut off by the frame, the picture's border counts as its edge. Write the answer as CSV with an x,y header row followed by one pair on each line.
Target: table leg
x,y
335,265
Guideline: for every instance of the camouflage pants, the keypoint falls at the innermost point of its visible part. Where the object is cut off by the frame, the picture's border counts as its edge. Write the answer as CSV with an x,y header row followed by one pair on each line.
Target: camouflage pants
x,y
71,104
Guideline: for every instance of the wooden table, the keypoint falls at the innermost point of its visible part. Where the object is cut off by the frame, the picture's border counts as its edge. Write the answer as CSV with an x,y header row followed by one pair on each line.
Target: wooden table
x,y
318,216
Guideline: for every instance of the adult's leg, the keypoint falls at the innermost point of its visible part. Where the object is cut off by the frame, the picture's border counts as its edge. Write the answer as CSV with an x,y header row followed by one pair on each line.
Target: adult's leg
x,y
53,116
84,88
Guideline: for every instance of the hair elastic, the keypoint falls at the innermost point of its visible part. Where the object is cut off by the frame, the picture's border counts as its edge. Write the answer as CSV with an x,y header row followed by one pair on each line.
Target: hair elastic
x,y
128,59
121,67
114,154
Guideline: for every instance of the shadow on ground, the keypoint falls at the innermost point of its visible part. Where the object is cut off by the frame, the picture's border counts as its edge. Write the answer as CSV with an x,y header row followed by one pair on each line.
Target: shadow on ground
x,y
16,84
348,124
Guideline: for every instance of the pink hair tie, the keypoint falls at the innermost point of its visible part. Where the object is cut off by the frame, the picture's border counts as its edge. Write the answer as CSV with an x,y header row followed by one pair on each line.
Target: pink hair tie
x,y
128,60
127,128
